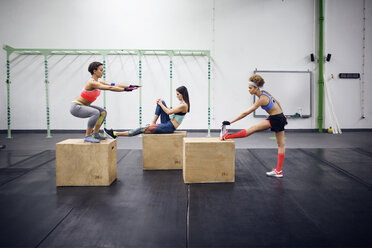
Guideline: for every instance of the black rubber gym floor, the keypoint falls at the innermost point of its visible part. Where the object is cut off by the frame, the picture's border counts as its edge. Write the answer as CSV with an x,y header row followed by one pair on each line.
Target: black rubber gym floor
x,y
324,200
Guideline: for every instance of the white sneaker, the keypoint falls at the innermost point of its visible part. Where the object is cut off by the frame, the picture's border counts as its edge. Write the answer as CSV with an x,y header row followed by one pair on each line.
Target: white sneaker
x,y
275,173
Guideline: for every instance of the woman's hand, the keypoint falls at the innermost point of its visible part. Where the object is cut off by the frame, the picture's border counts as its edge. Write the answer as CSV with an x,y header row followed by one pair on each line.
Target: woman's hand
x,y
133,86
159,101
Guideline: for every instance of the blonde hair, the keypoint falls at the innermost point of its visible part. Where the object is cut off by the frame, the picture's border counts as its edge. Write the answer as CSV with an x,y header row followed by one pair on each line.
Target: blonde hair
x,y
257,79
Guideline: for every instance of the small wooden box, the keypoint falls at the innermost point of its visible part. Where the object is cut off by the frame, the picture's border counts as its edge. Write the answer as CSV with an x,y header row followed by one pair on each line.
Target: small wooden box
x,y
208,160
163,151
86,164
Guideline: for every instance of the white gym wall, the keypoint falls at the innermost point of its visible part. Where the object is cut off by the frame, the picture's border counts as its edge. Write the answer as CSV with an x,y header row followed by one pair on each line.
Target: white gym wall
x,y
242,35
344,40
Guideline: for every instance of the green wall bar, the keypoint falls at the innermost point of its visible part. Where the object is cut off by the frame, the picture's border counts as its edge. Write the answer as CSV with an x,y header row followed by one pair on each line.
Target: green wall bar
x,y
171,78
140,89
209,95
104,92
8,93
46,71
41,51
321,77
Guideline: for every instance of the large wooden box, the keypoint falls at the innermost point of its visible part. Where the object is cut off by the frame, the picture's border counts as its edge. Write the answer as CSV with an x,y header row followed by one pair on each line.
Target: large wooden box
x,y
208,160
163,151
86,164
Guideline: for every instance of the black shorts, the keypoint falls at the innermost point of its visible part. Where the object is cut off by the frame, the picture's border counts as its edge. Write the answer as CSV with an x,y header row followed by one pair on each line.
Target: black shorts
x,y
277,122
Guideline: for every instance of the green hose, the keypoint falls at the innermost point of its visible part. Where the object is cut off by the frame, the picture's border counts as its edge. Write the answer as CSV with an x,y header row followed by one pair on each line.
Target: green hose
x,y
321,78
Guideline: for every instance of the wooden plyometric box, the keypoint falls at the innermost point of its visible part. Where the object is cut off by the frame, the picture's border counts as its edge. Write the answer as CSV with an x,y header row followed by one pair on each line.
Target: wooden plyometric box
x,y
208,160
80,163
163,151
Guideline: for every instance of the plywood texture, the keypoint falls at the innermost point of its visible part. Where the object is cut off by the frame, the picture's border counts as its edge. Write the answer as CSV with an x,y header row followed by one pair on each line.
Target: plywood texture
x,y
208,160
163,151
86,164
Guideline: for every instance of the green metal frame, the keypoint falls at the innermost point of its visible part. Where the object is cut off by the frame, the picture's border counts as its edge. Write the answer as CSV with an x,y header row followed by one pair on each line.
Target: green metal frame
x,y
170,54
103,52
46,71
209,96
321,65
8,92
104,92
140,89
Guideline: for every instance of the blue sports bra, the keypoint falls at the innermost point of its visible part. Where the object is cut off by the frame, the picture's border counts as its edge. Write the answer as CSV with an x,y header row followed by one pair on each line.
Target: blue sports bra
x,y
271,101
178,117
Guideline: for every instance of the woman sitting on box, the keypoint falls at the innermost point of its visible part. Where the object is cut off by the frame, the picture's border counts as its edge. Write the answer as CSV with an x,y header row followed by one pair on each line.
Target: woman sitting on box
x,y
170,119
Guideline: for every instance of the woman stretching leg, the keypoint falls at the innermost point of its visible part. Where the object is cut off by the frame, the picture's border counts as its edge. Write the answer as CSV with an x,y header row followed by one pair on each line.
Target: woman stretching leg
x,y
276,121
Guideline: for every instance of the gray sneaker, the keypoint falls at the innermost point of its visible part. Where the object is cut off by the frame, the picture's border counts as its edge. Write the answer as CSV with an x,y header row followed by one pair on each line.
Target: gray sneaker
x,y
99,136
91,139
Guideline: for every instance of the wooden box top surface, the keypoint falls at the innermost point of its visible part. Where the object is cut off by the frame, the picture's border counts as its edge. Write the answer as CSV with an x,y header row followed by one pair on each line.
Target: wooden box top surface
x,y
81,142
206,140
181,133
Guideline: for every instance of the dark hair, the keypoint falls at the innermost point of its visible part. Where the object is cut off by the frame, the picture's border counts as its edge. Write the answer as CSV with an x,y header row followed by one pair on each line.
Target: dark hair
x,y
257,79
94,66
185,95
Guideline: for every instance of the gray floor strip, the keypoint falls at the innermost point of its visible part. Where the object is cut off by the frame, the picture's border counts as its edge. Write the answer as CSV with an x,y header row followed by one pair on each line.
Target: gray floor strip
x,y
23,171
38,245
362,151
359,180
28,159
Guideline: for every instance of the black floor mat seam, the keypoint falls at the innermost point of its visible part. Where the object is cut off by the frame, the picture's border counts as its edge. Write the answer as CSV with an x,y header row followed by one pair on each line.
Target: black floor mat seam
x,y
344,172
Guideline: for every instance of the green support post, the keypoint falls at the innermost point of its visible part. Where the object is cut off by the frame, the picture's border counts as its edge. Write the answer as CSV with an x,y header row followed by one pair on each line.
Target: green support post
x,y
104,92
140,89
321,77
8,91
171,78
209,95
46,71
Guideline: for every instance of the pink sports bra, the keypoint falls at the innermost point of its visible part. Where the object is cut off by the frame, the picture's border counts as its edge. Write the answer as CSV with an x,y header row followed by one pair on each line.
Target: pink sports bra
x,y
90,95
